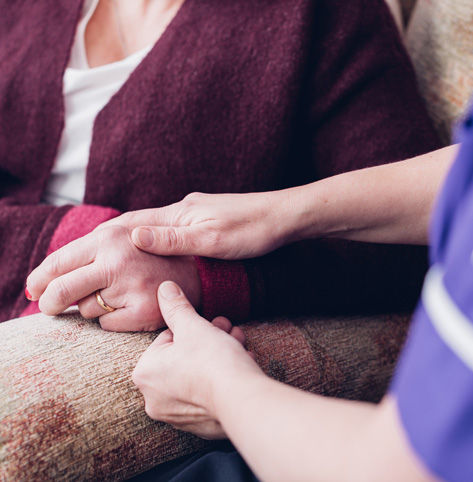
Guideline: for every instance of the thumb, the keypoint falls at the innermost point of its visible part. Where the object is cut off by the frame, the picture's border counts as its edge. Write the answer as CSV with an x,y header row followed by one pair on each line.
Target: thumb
x,y
177,312
163,240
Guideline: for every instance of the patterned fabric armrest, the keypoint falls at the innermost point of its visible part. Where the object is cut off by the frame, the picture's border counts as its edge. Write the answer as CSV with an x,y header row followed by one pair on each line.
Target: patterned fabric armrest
x,y
69,410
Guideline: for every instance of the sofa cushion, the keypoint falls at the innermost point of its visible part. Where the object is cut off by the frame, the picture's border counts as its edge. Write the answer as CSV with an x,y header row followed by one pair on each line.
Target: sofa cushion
x,y
68,408
440,42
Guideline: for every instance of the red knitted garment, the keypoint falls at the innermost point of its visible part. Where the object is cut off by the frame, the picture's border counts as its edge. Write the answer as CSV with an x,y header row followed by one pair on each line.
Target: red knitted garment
x,y
236,96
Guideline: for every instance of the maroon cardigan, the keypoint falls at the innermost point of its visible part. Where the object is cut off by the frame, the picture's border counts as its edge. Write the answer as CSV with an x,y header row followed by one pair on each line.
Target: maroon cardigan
x,y
236,96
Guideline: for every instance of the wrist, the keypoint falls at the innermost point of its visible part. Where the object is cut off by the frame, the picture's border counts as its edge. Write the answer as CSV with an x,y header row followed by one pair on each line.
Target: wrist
x,y
287,215
224,288
302,217
320,210
192,285
234,389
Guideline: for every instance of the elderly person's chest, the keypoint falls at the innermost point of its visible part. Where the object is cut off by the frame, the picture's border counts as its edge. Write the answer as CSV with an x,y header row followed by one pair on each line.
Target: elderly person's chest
x,y
116,29
211,107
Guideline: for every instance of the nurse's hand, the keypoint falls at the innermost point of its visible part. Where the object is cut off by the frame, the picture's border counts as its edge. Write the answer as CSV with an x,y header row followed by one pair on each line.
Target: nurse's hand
x,y
178,374
106,260
226,226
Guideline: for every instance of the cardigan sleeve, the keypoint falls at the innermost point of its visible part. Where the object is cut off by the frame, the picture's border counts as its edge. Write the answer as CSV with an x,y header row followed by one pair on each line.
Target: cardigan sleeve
x,y
364,110
28,234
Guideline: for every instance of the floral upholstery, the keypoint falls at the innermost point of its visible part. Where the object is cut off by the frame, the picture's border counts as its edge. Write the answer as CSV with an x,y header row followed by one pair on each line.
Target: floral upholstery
x,y
70,411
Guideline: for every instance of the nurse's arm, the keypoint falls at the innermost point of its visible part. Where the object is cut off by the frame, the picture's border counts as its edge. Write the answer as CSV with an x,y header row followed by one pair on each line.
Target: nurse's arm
x,y
282,432
384,204
391,203
287,434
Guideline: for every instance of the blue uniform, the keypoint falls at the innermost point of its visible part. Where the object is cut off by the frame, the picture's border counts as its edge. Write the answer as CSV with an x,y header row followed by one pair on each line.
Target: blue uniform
x,y
433,384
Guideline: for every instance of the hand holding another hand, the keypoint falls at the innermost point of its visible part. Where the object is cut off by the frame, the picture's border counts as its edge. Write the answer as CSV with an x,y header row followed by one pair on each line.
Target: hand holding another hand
x,y
114,259
180,372
225,226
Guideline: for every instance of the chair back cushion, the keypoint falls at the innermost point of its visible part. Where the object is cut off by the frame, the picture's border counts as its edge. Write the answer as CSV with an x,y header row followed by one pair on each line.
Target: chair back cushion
x,y
440,42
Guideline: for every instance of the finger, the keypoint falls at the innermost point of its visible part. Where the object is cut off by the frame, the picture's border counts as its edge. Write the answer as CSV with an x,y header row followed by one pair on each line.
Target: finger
x,y
223,323
168,240
64,291
128,319
163,338
238,334
178,313
148,217
208,430
89,307
74,255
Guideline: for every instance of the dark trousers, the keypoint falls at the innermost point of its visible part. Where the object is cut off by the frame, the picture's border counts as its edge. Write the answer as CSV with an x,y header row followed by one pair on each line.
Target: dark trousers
x,y
217,465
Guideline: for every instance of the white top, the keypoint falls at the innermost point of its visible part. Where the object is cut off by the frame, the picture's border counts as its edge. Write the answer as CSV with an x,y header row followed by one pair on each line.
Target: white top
x,y
86,92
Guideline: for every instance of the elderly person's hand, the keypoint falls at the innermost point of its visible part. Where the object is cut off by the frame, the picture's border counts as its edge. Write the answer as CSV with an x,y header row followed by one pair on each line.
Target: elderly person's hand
x,y
106,261
226,226
179,372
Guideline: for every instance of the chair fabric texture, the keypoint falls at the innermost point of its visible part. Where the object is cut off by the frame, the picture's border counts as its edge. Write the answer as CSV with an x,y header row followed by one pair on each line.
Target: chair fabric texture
x,y
70,411
440,41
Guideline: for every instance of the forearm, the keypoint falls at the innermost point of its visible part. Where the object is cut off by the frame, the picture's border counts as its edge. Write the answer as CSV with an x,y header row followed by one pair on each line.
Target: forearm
x,y
384,204
286,434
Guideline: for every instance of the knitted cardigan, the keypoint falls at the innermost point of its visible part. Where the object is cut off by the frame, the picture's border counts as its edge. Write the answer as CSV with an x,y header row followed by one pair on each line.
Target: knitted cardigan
x,y
236,96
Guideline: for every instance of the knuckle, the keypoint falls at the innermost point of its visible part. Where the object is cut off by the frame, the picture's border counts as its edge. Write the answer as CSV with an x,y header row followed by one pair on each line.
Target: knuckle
x,y
86,312
192,201
111,232
193,196
149,411
52,262
173,240
137,376
125,219
152,410
106,325
61,291
117,263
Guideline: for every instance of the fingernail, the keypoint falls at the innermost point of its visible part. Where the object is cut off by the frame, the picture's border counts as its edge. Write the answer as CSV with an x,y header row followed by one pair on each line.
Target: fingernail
x,y
145,237
28,294
169,290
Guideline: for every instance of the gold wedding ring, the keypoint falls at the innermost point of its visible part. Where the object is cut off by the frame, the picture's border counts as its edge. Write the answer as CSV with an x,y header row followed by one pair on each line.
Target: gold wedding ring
x,y
102,303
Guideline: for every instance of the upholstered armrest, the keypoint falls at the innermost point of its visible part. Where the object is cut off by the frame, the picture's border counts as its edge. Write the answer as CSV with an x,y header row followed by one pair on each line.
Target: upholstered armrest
x,y
69,410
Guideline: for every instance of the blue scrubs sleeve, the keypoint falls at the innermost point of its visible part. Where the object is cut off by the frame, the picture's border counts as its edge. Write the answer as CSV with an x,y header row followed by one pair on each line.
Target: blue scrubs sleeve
x,y
433,384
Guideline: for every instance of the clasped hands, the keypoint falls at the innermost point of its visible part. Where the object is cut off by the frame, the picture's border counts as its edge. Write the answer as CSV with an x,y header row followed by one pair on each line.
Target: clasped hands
x,y
128,257
181,371
189,367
